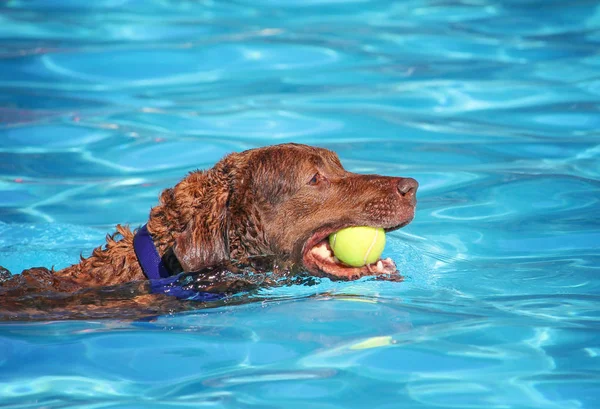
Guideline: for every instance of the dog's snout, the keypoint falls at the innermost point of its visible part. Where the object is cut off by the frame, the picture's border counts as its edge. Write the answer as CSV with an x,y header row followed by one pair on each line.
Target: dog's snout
x,y
407,186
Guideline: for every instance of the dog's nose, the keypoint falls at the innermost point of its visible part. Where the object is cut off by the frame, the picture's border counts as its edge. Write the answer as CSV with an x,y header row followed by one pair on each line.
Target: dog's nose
x,y
407,186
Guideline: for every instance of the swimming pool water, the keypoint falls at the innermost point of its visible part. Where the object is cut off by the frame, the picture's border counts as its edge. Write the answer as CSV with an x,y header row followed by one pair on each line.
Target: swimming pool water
x,y
492,105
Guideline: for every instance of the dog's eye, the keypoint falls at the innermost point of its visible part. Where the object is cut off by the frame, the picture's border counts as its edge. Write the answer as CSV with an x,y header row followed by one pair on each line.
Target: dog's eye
x,y
315,179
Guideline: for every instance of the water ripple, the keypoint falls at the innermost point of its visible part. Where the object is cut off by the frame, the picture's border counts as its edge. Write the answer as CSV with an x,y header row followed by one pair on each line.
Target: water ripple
x,y
493,106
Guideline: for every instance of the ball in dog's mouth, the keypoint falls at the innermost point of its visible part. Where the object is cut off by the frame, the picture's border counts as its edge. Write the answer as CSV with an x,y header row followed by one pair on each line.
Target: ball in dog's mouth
x,y
323,258
318,257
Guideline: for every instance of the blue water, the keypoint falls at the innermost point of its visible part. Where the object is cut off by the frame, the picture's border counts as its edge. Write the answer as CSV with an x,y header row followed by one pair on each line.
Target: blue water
x,y
494,106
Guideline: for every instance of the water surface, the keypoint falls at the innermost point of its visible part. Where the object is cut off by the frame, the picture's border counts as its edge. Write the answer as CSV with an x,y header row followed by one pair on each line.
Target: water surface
x,y
492,105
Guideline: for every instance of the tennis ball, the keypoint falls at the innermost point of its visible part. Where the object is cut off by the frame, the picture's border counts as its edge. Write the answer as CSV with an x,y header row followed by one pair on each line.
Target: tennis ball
x,y
358,246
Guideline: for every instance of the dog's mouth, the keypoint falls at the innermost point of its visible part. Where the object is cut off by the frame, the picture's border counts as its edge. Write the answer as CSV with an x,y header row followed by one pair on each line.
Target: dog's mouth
x,y
319,259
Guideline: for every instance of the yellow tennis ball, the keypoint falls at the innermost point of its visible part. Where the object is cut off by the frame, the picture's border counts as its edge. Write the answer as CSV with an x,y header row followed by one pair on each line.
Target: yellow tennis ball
x,y
358,246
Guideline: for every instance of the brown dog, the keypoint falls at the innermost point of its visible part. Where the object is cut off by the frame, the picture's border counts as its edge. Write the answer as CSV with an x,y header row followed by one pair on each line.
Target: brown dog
x,y
277,203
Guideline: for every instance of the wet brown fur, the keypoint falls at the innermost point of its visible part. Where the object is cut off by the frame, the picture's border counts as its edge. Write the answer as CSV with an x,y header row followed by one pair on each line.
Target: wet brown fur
x,y
262,202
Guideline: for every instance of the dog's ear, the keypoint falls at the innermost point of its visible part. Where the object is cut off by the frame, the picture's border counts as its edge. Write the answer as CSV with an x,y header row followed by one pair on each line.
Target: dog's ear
x,y
202,244
204,241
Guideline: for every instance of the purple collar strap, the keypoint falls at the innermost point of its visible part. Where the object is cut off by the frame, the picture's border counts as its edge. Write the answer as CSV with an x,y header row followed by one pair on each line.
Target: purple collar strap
x,y
163,280
147,255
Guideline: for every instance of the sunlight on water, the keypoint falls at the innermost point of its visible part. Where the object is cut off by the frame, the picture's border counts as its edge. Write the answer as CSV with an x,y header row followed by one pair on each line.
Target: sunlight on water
x,y
491,105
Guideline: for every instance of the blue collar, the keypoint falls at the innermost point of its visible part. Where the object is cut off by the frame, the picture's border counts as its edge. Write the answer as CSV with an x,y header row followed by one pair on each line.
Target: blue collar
x,y
162,280
147,255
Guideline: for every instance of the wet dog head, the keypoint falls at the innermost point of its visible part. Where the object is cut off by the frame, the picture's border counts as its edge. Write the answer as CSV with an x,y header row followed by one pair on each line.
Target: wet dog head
x,y
284,201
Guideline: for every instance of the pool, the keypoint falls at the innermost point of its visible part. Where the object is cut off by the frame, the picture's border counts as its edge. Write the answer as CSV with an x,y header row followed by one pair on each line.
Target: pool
x,y
492,105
